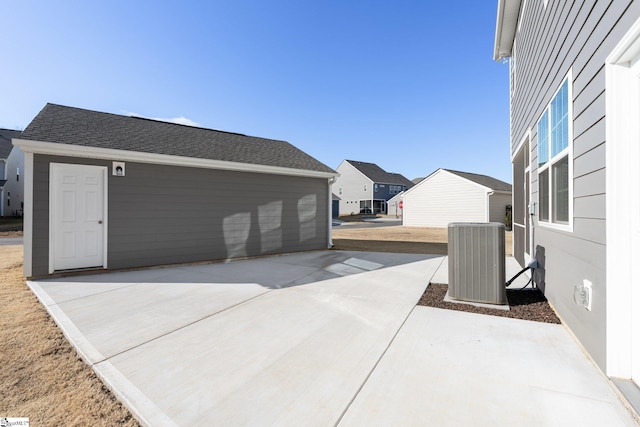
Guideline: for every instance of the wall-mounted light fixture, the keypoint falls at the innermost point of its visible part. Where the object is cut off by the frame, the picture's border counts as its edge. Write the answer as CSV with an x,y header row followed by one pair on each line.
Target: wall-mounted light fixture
x,y
118,168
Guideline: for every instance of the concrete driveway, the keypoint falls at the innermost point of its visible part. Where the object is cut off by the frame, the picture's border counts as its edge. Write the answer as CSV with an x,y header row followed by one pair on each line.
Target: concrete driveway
x,y
10,241
320,338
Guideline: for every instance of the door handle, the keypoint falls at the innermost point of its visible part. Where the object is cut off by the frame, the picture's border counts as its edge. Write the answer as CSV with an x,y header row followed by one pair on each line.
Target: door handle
x,y
100,222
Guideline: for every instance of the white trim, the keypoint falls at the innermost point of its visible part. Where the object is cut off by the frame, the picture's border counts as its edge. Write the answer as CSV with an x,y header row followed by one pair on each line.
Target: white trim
x,y
487,215
330,182
28,215
622,180
53,218
40,147
105,216
566,152
528,231
506,24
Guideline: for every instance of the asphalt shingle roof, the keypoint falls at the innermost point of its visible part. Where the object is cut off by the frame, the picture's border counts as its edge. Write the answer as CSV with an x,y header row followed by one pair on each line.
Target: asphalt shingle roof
x,y
76,126
376,174
5,141
487,181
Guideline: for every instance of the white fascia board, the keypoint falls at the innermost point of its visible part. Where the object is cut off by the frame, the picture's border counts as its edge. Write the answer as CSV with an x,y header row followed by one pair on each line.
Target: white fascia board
x,y
506,24
55,149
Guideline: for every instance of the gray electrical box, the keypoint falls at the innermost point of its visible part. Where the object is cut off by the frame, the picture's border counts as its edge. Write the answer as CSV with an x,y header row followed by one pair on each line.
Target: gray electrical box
x,y
476,262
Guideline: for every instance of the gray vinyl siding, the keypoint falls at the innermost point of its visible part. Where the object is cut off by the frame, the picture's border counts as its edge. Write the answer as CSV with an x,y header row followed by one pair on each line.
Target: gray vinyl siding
x,y
166,214
498,206
578,36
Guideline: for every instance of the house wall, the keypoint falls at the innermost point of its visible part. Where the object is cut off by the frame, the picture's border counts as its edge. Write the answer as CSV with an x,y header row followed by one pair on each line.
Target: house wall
x,y
393,205
13,206
382,191
351,186
550,41
166,214
498,207
2,176
443,198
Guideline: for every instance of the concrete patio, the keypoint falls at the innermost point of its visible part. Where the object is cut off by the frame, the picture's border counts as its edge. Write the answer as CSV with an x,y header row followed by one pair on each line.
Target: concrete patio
x,y
321,338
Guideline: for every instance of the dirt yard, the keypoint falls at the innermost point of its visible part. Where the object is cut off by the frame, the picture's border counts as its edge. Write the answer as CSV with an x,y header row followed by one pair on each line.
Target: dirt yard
x,y
42,377
420,240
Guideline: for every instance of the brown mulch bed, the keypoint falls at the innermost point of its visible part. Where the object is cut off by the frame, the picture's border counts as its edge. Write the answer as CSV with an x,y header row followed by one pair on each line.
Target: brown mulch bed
x,y
524,304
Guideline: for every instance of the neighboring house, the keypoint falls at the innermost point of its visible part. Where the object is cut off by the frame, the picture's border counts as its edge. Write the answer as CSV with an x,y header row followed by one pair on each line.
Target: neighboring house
x,y
335,206
11,183
365,187
574,89
394,205
448,196
105,191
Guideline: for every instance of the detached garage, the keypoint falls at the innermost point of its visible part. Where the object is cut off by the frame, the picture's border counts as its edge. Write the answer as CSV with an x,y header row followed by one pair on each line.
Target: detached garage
x,y
451,196
104,191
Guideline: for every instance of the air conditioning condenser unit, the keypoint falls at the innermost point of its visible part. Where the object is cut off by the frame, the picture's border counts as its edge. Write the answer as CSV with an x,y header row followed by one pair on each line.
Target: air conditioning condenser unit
x,y
477,262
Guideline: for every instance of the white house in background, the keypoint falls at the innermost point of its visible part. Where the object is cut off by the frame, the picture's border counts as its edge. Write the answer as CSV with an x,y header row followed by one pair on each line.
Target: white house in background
x,y
365,187
11,181
394,205
450,196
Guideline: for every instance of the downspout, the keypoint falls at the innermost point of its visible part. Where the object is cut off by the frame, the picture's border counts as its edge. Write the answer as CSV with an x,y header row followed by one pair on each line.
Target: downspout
x,y
489,194
330,182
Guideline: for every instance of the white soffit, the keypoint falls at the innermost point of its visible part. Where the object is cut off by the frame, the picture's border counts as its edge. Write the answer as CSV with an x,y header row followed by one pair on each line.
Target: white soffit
x,y
506,24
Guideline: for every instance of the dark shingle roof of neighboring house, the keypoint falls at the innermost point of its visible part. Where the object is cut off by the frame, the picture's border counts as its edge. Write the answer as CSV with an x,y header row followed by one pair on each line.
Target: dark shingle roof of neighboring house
x,y
376,174
79,127
417,180
487,181
5,141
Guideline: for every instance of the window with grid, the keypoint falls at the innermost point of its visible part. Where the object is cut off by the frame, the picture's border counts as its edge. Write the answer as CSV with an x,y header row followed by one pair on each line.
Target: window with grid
x,y
554,142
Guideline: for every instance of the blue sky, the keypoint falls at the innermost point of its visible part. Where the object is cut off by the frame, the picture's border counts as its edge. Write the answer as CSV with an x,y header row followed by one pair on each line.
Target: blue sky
x,y
409,85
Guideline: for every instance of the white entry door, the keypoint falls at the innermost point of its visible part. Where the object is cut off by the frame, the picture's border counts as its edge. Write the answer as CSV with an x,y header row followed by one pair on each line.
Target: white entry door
x,y
77,212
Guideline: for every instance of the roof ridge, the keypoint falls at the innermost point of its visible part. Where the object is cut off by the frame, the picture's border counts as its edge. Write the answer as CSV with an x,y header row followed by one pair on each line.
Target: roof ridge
x,y
130,116
190,126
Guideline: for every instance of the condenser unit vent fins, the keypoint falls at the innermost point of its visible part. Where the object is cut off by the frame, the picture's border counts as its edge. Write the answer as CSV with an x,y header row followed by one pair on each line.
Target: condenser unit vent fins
x,y
476,262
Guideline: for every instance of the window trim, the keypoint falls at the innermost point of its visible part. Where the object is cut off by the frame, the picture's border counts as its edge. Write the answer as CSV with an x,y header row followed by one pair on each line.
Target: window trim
x,y
567,152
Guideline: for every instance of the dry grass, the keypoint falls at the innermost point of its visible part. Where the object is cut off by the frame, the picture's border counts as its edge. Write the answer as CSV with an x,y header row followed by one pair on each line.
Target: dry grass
x,y
424,240
42,377
45,380
11,233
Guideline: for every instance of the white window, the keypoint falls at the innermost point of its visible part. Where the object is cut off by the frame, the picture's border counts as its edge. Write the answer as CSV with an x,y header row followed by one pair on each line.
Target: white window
x,y
554,160
395,189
